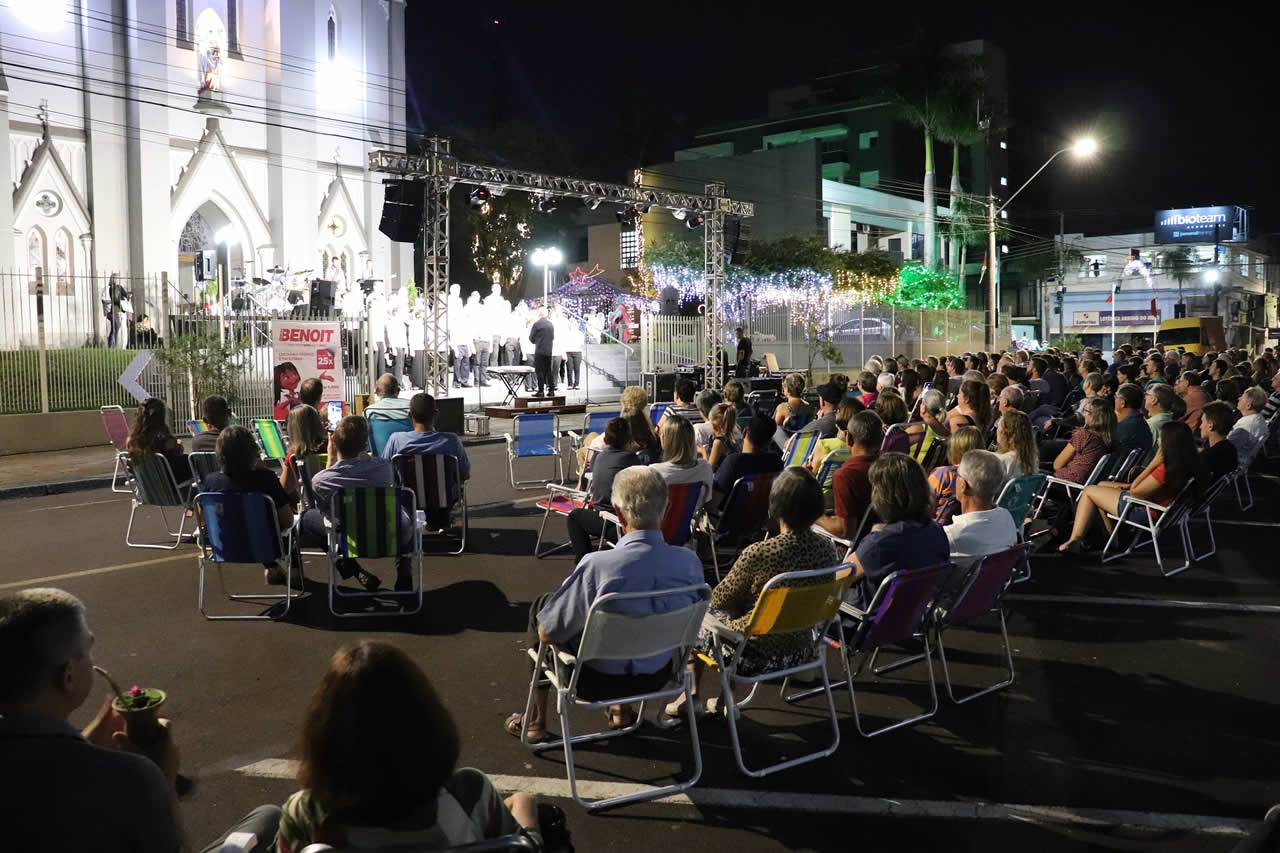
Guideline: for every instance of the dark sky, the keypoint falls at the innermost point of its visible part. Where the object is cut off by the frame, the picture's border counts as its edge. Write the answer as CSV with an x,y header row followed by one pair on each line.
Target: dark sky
x,y
1183,105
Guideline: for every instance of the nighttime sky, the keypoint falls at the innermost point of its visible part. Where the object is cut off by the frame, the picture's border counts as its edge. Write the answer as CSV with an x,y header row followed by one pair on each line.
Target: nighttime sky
x,y
1181,105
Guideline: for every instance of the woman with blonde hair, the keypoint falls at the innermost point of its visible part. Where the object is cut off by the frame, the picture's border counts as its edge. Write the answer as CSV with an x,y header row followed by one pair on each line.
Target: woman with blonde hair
x,y
1016,445
794,404
634,404
942,480
307,437
680,463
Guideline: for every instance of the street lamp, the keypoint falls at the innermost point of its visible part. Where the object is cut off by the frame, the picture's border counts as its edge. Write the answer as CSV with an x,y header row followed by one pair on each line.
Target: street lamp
x,y
546,258
1211,276
1082,148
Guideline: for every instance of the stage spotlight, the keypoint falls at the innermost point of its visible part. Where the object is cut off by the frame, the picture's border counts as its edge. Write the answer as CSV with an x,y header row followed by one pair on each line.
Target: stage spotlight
x,y
591,203
548,204
693,220
645,208
628,215
480,198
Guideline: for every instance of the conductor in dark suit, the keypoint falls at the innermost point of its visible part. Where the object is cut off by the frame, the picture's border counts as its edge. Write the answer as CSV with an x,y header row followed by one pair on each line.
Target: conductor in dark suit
x,y
541,334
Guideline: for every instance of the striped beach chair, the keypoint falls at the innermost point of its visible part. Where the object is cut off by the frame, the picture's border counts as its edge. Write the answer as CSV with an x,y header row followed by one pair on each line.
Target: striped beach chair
x,y
436,483
269,438
366,524
154,485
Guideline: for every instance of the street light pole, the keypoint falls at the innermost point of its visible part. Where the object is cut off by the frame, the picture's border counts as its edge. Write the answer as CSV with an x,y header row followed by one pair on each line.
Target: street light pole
x,y
546,258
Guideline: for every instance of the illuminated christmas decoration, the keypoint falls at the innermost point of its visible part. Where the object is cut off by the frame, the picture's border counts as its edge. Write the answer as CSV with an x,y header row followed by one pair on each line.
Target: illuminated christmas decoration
x,y
1137,267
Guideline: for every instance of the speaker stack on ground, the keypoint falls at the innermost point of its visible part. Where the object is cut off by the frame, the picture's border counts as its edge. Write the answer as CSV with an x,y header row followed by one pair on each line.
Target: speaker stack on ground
x,y
660,387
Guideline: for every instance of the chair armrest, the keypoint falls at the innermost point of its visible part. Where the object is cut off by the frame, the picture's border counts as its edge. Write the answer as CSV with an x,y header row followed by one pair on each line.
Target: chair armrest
x,y
848,543
721,630
566,490
848,609
1149,504
509,438
606,515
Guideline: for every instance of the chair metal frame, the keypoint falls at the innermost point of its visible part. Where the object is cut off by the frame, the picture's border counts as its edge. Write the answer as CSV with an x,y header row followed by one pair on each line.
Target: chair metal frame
x,y
307,495
1164,518
119,445
513,452
334,550
283,549
203,463
737,525
397,464
1204,509
1001,566
175,499
866,620
551,661
505,844
574,495
836,589
1073,489
1019,524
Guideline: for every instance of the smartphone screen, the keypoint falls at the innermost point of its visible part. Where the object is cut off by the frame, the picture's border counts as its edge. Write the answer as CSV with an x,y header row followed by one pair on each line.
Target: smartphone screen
x,y
335,414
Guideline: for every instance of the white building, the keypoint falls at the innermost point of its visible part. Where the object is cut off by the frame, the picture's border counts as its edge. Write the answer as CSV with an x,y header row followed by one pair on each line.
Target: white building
x,y
120,163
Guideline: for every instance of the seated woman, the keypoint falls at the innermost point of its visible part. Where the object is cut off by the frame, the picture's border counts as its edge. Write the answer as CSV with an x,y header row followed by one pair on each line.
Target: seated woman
x,y
1016,445
795,503
307,437
848,407
793,409
720,437
238,458
150,434
378,752
680,462
1088,443
1175,462
890,406
942,480
866,390
907,537
634,404
735,394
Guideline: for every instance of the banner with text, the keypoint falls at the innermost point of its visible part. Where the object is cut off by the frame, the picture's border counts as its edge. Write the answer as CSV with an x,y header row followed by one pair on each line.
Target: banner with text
x,y
1123,318
301,351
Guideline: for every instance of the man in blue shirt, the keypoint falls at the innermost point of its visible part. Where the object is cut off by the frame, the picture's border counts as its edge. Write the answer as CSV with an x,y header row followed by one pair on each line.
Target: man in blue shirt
x,y
641,561
425,439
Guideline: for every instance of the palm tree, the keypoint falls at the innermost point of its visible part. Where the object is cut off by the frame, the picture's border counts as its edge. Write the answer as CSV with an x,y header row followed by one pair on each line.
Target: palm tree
x,y
1180,264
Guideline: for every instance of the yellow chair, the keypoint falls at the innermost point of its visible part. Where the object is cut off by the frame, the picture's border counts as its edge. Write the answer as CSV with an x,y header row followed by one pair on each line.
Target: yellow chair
x,y
791,602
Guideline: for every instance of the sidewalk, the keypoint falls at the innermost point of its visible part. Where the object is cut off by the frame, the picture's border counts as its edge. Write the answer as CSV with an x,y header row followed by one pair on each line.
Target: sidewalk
x,y
52,472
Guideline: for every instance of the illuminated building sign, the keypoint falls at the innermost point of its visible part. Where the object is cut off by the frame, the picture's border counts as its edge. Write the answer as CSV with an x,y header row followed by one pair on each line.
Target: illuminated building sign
x,y
1195,224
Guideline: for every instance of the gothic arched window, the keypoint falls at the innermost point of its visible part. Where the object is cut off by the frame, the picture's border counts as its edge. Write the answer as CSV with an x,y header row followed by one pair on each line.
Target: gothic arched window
x,y
331,31
35,251
63,256
233,27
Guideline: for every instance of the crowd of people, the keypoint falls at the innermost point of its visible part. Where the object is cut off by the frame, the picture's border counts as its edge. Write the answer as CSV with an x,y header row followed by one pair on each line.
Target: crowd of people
x,y
906,468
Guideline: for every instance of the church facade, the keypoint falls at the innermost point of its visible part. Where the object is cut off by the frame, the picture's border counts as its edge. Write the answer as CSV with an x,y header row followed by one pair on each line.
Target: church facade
x,y
241,126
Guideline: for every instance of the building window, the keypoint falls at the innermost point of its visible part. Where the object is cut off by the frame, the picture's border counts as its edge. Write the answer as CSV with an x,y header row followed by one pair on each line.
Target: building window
x,y
868,140
233,28
1004,146
183,27
1004,214
629,248
1094,266
895,244
63,257
1004,182
917,246
35,250
869,179
331,31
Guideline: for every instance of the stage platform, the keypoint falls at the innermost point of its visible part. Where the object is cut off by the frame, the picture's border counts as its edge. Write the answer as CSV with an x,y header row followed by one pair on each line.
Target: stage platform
x,y
536,405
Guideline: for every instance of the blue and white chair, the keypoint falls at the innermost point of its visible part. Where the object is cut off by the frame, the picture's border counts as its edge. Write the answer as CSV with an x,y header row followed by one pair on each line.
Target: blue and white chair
x,y
535,436
242,527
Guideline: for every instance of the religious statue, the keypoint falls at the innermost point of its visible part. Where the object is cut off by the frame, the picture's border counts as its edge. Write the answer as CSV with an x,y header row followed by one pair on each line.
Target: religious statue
x,y
211,66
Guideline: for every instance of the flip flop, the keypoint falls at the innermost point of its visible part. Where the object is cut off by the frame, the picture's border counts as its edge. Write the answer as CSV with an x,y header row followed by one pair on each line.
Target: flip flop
x,y
514,726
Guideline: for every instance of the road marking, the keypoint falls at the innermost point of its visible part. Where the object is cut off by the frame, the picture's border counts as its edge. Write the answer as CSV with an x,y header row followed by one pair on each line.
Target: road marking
x,y
86,503
787,801
185,555
1231,606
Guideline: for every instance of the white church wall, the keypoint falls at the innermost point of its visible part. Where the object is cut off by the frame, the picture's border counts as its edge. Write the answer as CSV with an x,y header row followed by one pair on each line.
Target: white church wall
x,y
106,133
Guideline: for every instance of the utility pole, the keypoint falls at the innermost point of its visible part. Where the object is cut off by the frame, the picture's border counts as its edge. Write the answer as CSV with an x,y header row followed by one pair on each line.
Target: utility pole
x,y
993,260
1062,268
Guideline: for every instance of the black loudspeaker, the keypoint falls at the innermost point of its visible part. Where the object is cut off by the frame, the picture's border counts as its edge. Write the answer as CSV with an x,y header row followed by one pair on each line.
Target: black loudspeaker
x,y
402,210
737,239
449,415
660,387
764,383
321,295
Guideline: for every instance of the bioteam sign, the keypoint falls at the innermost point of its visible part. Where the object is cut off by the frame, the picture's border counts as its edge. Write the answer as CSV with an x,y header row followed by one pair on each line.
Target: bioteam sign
x,y
1195,224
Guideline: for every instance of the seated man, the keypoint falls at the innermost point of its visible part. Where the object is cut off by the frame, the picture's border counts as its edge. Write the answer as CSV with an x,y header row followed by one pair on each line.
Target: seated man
x,y
425,439
829,397
95,790
585,523
1220,457
683,406
851,485
756,457
351,467
981,528
1250,431
216,414
310,392
389,403
641,561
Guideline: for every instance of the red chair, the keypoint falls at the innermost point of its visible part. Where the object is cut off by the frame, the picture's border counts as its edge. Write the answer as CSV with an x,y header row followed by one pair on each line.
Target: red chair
x,y
744,514
117,427
684,500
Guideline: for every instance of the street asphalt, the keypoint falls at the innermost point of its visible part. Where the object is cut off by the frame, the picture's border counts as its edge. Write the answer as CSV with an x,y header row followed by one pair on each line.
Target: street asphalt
x,y
1142,717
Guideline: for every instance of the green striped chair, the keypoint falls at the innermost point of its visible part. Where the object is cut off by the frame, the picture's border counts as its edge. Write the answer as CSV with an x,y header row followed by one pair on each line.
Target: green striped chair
x,y
799,448
269,437
154,485
365,523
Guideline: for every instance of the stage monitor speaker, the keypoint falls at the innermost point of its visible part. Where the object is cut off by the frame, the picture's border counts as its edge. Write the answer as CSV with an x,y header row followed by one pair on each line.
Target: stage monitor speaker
x,y
764,384
322,292
659,387
402,210
449,415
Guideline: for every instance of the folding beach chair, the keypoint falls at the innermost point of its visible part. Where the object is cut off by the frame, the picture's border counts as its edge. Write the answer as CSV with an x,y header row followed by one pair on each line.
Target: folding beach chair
x,y
1149,520
745,514
684,500
1204,510
535,436
381,429
904,438
203,464
437,485
366,524
197,427
505,844
117,427
154,485
241,527
827,475
1072,489
269,437
618,629
789,603
657,410
560,500
799,448
895,615
1017,496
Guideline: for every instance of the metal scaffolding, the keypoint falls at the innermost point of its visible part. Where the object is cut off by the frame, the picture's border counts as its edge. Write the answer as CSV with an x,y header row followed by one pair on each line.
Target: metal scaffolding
x,y
439,170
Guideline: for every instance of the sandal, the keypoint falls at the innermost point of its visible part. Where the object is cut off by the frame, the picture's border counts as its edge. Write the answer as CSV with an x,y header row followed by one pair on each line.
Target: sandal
x,y
623,719
514,726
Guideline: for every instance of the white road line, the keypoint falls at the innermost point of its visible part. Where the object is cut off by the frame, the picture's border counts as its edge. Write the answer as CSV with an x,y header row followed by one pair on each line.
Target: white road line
x,y
102,570
1230,606
784,801
86,503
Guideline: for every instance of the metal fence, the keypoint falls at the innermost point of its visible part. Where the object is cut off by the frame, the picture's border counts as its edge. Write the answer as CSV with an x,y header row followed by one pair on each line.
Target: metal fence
x,y
670,341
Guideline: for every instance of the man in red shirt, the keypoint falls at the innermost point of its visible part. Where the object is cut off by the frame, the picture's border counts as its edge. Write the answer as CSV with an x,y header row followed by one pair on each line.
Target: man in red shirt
x,y
851,486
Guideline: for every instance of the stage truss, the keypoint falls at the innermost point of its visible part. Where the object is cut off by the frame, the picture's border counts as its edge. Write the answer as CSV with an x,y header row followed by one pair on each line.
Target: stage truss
x,y
439,170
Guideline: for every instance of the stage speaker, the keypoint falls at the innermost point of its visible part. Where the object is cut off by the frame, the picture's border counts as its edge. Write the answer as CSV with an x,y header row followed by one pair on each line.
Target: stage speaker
x,y
449,415
402,210
737,239
660,387
321,295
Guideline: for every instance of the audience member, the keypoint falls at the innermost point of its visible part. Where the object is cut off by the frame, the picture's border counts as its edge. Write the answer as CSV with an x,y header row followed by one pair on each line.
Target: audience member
x,y
756,457
1016,445
310,393
1153,372
1159,405
980,528
378,753
735,394
425,439
150,434
906,537
1188,387
724,437
829,397
1088,443
793,409
866,391
95,790
307,437
1219,458
241,472
1132,432
942,480
216,414
891,408
1175,463
684,406
389,403
848,407
1250,432
640,562
585,523
680,463
851,484
1273,401
973,407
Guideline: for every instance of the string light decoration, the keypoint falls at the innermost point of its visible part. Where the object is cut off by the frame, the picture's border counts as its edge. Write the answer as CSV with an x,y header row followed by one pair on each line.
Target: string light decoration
x,y
924,288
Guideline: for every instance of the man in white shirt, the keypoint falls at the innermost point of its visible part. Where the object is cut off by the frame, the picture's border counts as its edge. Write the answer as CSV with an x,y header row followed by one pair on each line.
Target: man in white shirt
x,y
981,528
1250,432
